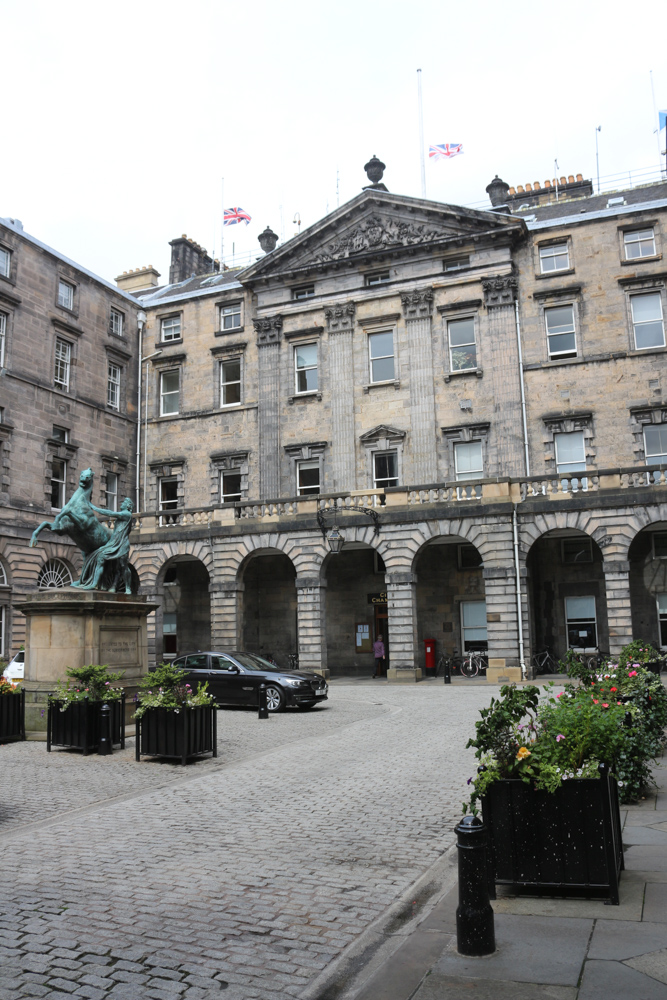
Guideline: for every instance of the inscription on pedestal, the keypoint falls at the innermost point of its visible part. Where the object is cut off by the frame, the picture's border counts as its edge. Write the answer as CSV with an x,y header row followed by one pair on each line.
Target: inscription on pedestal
x,y
119,646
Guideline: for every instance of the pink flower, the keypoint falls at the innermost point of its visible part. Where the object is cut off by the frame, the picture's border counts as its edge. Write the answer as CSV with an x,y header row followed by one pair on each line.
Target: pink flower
x,y
605,705
595,701
632,673
560,695
613,689
559,738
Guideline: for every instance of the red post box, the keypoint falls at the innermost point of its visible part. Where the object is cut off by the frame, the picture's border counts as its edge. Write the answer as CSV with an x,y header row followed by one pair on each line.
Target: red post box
x,y
429,656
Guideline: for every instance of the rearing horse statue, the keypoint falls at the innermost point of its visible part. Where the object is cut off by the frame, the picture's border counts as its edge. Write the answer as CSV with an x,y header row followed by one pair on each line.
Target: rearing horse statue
x,y
77,519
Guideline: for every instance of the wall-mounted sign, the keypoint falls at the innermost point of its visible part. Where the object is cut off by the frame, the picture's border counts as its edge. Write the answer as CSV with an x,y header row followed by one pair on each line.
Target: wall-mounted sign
x,y
380,598
362,638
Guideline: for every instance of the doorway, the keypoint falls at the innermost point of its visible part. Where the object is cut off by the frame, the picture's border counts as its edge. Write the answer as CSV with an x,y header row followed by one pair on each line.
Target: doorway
x,y
382,628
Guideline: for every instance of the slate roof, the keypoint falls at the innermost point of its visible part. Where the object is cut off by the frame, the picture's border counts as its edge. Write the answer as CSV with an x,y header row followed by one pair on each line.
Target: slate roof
x,y
201,284
593,204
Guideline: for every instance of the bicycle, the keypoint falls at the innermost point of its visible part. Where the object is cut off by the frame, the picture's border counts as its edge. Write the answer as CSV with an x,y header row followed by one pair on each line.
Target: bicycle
x,y
293,661
473,663
544,663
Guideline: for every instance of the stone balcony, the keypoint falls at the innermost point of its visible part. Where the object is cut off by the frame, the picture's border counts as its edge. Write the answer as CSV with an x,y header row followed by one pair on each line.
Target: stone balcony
x,y
611,487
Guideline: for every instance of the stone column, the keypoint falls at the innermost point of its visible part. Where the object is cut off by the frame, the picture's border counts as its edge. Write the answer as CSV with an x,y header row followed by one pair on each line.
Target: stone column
x,y
402,622
417,308
619,611
501,366
268,343
340,320
311,625
226,610
502,627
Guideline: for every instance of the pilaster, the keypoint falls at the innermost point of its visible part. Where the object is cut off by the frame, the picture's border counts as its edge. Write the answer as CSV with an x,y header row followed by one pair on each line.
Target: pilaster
x,y
311,606
417,307
401,624
619,611
500,347
268,330
340,321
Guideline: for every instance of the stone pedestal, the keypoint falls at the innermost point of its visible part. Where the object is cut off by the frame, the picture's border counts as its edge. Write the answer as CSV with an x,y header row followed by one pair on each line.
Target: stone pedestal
x,y
72,628
404,675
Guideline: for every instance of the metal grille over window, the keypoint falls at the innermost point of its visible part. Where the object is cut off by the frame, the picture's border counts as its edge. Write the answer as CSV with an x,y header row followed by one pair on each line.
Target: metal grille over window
x,y
305,363
53,575
230,316
169,393
639,244
385,469
58,483
63,362
65,295
555,258
462,347
171,328
308,476
230,382
561,332
381,348
113,386
647,321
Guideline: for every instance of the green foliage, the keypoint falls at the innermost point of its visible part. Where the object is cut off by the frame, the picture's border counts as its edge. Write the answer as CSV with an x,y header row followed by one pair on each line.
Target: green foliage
x,y
165,687
94,682
574,665
6,686
638,651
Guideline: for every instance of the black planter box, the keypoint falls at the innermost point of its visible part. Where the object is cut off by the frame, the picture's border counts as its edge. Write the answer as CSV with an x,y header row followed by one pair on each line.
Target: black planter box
x,y
12,717
568,843
655,666
191,732
79,726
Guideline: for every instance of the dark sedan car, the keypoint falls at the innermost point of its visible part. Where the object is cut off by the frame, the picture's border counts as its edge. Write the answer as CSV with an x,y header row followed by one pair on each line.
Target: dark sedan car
x,y
234,678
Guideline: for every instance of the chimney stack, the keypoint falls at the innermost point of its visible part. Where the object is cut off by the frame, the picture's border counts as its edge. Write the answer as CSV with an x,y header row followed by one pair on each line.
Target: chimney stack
x,y
140,277
187,259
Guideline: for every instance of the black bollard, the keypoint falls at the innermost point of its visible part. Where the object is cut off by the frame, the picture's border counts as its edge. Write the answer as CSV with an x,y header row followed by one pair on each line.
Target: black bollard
x,y
475,934
448,671
261,701
104,748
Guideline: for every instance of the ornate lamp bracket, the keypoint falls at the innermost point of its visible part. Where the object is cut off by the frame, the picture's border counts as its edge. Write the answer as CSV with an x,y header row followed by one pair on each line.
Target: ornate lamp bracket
x,y
333,513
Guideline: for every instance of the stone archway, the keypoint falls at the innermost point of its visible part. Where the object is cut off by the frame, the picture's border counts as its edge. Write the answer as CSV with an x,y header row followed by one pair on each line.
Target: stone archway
x,y
356,608
647,556
184,618
266,579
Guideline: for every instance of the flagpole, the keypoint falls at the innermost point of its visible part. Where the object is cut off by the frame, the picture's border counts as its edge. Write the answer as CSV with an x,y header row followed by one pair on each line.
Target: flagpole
x,y
421,132
222,233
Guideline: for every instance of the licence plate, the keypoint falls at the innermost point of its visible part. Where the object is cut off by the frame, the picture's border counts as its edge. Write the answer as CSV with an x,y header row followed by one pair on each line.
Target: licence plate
x,y
320,691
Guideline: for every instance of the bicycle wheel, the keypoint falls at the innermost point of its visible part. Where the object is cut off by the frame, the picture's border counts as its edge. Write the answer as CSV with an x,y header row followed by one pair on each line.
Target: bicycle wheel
x,y
456,665
469,666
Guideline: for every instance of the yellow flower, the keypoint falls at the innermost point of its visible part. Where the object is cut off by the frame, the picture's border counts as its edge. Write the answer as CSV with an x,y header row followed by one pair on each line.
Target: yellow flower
x,y
523,753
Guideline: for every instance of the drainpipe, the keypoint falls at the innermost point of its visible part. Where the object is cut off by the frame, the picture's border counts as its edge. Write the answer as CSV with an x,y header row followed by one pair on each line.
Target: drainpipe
x,y
519,614
141,319
523,393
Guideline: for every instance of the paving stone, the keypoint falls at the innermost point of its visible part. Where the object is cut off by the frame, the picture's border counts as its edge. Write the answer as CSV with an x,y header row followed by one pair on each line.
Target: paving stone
x,y
456,987
653,964
619,940
615,981
655,902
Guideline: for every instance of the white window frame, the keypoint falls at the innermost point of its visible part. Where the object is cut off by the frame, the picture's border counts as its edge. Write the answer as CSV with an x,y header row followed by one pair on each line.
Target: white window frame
x,y
455,264
628,242
382,482
111,490
581,621
62,483
303,292
379,278
3,337
473,473
382,357
563,468
116,322
570,353
59,433
113,385
651,347
654,458
229,313
65,301
169,324
308,464
306,368
469,628
223,384
473,342
63,363
662,617
237,494
5,262
171,392
168,508
559,253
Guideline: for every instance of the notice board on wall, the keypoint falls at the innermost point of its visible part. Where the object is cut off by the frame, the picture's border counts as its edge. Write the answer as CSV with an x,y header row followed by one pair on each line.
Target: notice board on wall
x,y
362,638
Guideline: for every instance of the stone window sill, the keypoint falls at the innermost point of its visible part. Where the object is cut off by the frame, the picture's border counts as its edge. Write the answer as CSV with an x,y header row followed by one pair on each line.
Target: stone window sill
x,y
161,344
641,260
477,372
382,385
554,274
306,397
227,333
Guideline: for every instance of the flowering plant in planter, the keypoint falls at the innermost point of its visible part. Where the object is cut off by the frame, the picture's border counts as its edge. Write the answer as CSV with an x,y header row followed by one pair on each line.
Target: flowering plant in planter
x,y
8,687
93,682
164,688
640,652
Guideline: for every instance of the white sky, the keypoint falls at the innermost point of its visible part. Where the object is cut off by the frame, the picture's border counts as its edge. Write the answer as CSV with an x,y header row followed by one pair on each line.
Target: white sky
x,y
119,119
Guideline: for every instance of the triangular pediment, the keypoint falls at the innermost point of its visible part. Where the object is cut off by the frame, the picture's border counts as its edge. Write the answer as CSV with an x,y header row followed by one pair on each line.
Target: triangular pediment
x,y
377,222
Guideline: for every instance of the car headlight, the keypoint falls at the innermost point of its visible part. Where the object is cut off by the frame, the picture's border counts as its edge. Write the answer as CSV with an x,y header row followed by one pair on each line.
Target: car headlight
x,y
293,681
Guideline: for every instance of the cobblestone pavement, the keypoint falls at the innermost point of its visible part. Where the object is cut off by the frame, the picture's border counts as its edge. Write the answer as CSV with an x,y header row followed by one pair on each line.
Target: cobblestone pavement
x,y
247,874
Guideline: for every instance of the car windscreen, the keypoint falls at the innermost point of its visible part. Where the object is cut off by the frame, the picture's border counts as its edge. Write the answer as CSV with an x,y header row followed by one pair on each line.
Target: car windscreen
x,y
253,662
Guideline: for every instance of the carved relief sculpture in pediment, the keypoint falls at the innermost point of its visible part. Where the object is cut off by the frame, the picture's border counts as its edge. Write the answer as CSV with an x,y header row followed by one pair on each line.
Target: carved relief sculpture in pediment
x,y
377,233
268,330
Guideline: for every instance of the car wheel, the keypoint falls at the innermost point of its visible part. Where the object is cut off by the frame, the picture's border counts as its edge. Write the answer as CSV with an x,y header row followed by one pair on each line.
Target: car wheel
x,y
307,704
275,699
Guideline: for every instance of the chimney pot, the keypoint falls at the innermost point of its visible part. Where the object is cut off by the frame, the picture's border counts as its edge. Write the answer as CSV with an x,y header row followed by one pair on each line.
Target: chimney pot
x,y
547,184
563,181
570,179
519,189
536,185
580,177
512,191
529,187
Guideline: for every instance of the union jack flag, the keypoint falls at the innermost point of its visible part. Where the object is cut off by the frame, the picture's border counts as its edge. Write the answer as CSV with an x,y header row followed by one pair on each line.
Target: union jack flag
x,y
234,215
444,151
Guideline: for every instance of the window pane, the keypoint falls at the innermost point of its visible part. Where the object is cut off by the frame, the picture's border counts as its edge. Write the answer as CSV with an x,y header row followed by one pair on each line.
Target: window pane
x,y
168,493
560,319
662,604
554,258
655,443
306,355
474,614
231,371
65,294
582,608
570,451
468,459
306,380
639,244
169,392
461,331
563,343
649,335
308,477
231,394
381,345
231,486
646,307
171,328
4,263
382,370
386,468
170,382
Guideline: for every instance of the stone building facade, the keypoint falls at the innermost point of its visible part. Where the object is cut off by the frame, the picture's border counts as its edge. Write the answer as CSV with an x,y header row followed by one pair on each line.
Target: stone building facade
x,y
489,384
68,401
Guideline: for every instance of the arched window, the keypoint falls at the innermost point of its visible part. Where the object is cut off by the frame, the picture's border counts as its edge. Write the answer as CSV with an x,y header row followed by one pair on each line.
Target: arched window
x,y
53,575
3,576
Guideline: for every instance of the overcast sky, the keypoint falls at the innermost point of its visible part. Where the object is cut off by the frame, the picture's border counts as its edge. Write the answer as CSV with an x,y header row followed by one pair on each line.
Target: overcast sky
x,y
119,120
